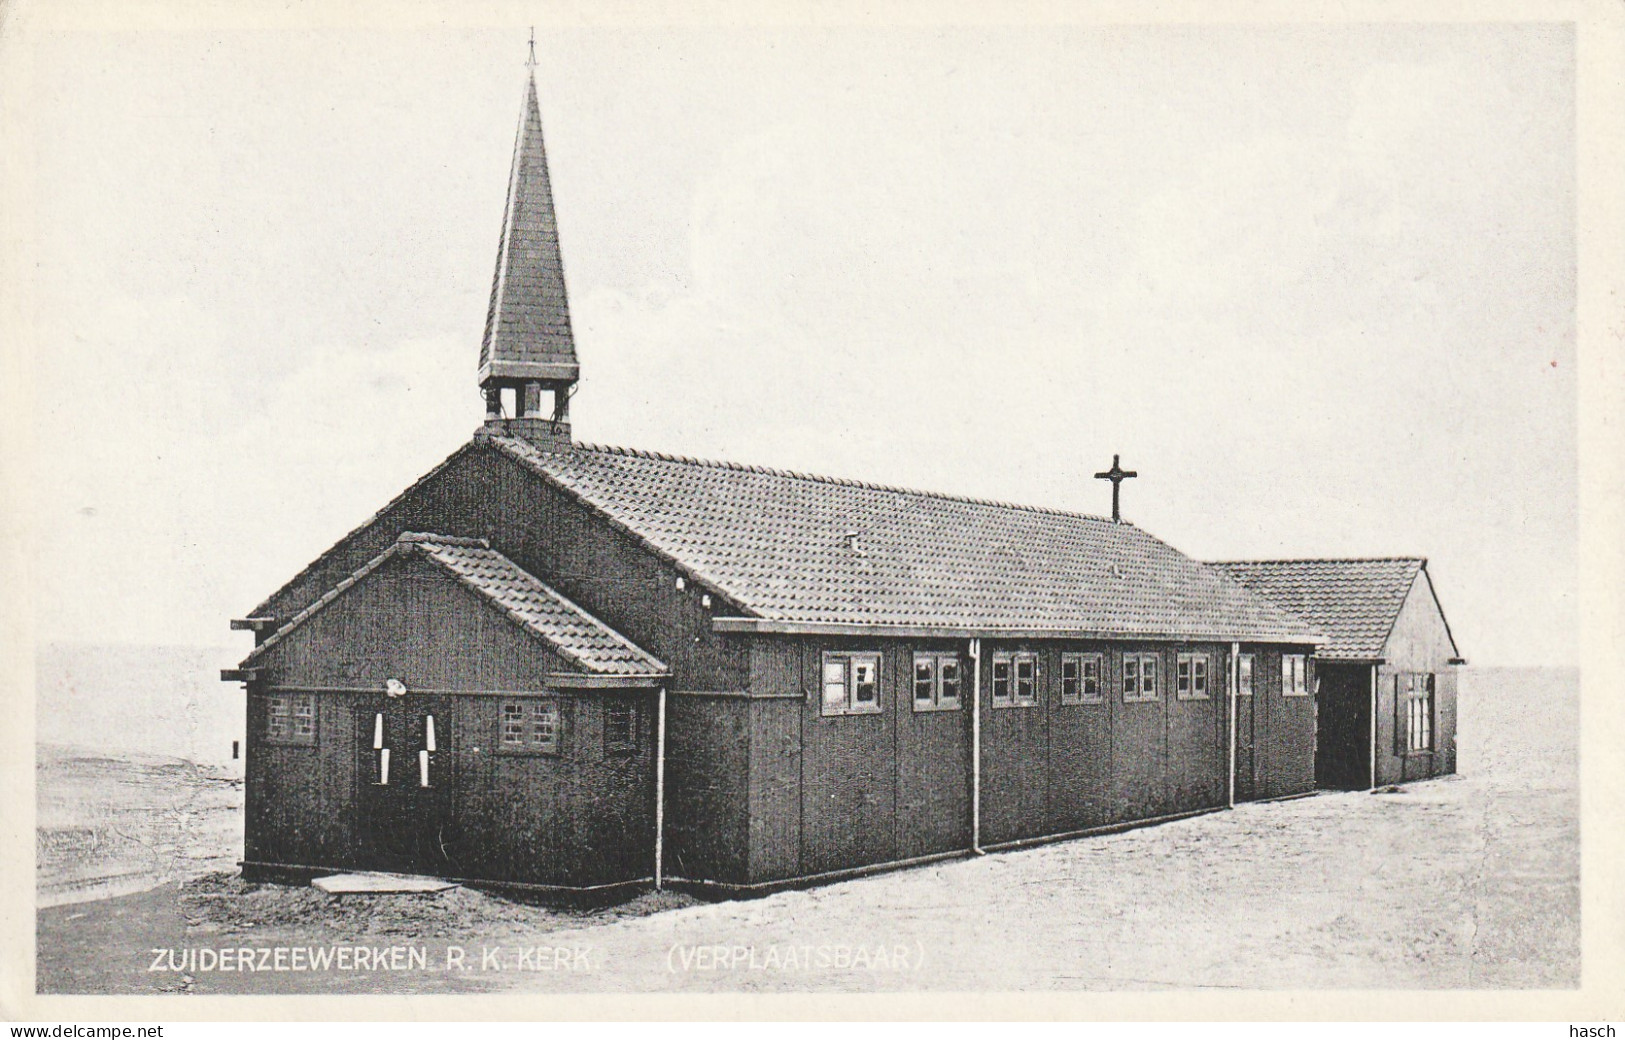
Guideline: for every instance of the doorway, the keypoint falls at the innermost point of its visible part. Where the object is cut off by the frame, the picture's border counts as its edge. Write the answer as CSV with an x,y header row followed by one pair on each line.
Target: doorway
x,y
406,786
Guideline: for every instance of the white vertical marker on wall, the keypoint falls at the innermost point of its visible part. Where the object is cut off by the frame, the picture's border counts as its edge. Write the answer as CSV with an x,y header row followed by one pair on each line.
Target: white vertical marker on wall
x,y
383,767
378,732
423,769
428,732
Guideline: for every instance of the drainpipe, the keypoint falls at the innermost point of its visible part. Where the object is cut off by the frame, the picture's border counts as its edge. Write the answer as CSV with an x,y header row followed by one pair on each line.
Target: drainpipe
x,y
660,785
1235,684
976,746
1373,755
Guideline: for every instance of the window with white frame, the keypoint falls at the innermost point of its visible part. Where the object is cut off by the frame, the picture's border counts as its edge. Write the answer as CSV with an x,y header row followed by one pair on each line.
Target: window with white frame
x,y
290,718
1244,675
620,727
1080,679
936,682
1294,675
1140,677
1015,679
1190,677
851,684
530,726
1414,696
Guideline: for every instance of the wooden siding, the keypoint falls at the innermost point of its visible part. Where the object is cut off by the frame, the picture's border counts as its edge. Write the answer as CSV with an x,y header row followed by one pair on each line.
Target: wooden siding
x,y
1279,734
580,818
412,621
1419,642
482,493
707,776
583,817
1080,747
839,792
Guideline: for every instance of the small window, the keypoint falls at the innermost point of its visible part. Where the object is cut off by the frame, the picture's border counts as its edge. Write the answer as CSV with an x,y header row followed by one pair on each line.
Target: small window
x,y
1140,677
1026,678
620,727
1080,678
1015,680
851,684
1294,678
1414,700
290,718
530,726
948,681
936,682
1244,675
925,680
1190,680
1001,679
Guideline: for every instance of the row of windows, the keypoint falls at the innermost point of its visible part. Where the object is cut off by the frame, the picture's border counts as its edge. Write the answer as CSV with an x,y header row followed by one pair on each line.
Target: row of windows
x,y
851,684
530,725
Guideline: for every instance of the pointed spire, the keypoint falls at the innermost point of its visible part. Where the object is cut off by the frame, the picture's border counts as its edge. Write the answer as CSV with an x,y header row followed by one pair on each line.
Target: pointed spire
x,y
527,326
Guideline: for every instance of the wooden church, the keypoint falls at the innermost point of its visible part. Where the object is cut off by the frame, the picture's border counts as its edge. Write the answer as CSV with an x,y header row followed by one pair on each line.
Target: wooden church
x,y
567,667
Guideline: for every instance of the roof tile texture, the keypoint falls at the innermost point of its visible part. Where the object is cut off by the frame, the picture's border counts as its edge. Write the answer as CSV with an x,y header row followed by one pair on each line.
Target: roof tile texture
x,y
794,548
576,634
1354,603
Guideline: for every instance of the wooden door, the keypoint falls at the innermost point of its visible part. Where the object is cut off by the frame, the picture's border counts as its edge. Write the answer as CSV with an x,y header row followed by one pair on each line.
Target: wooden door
x,y
406,786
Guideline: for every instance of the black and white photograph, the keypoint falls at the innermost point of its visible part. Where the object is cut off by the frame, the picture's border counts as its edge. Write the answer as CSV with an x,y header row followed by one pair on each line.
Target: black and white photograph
x,y
537,503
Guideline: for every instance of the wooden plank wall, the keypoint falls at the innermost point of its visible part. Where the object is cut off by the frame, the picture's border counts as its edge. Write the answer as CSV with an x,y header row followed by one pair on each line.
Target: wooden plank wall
x,y
483,493
584,817
839,792
1419,642
708,739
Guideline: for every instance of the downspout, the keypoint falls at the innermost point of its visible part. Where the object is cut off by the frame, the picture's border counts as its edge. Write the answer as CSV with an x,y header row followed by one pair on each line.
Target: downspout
x,y
1373,755
1235,683
660,786
976,746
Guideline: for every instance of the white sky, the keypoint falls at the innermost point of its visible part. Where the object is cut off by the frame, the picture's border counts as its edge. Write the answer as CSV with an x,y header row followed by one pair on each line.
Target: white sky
x,y
1315,284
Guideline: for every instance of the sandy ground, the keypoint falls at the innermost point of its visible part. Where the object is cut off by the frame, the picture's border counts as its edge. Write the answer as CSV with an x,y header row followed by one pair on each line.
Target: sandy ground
x,y
1465,882
109,823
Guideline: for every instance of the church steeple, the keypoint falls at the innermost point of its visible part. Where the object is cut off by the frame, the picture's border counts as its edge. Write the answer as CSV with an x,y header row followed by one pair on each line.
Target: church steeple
x,y
528,346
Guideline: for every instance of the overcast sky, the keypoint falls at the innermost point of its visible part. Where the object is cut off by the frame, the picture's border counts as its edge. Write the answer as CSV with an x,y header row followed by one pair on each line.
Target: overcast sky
x,y
1315,284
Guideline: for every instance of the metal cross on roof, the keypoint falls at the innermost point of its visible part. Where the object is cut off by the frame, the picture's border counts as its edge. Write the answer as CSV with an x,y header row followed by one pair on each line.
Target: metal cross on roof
x,y
531,63
1117,474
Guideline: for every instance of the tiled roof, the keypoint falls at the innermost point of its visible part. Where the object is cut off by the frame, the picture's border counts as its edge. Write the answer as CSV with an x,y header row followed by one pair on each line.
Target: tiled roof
x,y
528,320
575,634
1353,602
811,550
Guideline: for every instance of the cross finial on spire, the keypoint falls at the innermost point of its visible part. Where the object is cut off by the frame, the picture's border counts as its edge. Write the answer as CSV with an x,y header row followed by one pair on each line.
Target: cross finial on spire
x,y
530,63
1117,474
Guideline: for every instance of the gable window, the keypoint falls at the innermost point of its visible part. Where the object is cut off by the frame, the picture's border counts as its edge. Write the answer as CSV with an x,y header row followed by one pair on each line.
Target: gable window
x,y
290,718
620,727
851,684
1015,680
1413,695
1140,677
1294,680
530,726
936,682
1244,675
1080,679
1190,677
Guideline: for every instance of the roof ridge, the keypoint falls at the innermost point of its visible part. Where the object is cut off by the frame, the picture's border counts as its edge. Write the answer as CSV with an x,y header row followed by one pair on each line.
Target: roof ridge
x,y
867,485
570,606
1325,559
444,539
